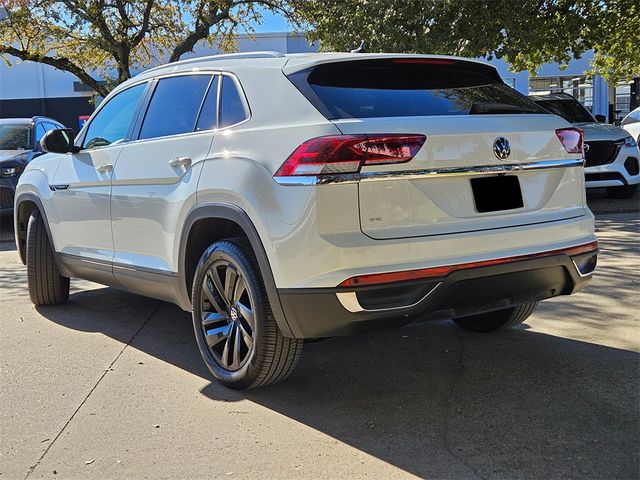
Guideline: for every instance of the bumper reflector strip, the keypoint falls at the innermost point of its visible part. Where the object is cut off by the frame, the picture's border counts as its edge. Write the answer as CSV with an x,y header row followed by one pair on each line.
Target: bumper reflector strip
x,y
433,272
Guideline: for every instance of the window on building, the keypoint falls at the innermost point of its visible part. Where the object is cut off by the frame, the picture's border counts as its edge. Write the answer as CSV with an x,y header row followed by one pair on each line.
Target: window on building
x,y
232,109
174,106
112,122
623,98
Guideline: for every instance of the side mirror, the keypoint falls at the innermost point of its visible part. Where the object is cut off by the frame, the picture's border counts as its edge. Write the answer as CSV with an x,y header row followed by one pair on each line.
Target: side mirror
x,y
600,118
58,141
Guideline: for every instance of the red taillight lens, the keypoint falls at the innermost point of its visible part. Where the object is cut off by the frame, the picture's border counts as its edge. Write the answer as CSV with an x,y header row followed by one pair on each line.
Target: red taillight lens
x,y
348,153
572,139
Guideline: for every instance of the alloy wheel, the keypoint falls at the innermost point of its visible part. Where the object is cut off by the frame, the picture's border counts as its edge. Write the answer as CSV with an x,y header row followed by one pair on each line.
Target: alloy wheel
x,y
226,314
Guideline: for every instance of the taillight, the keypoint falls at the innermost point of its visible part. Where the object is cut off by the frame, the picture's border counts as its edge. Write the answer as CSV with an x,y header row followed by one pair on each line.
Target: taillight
x,y
572,139
348,153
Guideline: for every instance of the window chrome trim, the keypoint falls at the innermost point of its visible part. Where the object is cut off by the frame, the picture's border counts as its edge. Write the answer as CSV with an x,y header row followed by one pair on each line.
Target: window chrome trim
x,y
428,173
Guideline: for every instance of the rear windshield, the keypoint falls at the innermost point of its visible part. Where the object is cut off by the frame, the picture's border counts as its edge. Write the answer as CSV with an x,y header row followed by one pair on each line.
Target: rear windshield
x,y
571,110
406,87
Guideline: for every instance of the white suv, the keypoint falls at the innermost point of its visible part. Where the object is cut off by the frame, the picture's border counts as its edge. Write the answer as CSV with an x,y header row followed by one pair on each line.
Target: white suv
x,y
281,198
612,159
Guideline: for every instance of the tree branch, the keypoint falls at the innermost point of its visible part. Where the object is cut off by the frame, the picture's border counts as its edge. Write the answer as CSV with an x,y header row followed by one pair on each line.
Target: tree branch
x,y
199,32
60,63
144,27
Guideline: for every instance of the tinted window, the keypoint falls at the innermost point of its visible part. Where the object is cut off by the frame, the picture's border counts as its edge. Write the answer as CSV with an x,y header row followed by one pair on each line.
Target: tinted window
x,y
15,137
571,110
174,106
208,113
231,107
409,87
41,129
633,117
112,121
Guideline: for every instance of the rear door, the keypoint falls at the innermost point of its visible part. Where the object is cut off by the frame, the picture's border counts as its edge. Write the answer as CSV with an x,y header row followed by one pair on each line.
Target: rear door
x,y
491,159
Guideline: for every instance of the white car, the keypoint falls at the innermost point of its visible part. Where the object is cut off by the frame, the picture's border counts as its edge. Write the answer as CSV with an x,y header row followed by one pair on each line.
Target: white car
x,y
612,159
286,197
631,123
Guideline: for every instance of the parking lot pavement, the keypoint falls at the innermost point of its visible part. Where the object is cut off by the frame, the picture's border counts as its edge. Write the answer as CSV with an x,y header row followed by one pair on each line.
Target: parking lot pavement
x,y
111,384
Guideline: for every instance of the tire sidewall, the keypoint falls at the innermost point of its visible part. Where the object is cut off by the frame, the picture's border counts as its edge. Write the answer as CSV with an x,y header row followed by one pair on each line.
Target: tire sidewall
x,y
233,253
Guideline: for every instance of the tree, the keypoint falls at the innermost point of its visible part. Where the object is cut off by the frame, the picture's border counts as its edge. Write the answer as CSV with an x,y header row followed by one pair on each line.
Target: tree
x,y
93,38
526,33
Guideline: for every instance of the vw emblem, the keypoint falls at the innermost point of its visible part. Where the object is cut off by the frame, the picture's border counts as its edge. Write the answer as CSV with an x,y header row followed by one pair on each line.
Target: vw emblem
x,y
234,314
501,148
586,147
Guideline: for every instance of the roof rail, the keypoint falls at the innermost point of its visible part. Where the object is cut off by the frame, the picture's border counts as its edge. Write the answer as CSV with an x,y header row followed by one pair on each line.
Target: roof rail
x,y
224,56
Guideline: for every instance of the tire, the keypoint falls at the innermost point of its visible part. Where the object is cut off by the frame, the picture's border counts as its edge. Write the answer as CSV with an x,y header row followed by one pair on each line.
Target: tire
x,y
235,329
491,321
622,192
46,285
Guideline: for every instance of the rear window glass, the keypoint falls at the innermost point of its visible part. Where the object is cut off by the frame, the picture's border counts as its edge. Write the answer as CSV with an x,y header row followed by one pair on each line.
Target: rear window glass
x,y
569,109
408,87
231,107
209,111
174,106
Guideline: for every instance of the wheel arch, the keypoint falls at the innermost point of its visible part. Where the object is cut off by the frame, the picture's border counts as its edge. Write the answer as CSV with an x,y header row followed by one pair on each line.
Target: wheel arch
x,y
228,221
25,204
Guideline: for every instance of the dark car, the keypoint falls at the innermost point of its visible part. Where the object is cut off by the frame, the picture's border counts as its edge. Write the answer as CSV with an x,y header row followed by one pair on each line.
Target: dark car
x,y
19,144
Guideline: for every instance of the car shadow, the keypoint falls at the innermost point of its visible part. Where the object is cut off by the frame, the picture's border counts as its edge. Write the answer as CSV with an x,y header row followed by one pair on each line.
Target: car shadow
x,y
431,399
437,401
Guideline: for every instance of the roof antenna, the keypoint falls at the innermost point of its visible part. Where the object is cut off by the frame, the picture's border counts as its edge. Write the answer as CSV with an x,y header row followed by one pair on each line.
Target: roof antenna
x,y
361,49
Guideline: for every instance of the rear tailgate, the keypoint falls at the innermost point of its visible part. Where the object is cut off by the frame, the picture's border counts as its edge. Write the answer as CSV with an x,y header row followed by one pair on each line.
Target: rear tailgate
x,y
437,196
456,182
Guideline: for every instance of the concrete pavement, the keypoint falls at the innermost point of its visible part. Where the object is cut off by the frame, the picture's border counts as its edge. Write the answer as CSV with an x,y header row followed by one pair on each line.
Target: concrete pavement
x,y
111,385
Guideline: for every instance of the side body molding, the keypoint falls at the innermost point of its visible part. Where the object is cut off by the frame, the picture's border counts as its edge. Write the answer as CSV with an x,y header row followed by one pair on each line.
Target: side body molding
x,y
235,214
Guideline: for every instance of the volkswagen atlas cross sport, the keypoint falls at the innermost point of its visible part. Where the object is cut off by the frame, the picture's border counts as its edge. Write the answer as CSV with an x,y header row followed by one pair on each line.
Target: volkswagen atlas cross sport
x,y
288,197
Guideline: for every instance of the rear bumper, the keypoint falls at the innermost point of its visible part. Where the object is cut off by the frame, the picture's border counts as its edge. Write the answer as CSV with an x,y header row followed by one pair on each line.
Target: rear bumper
x,y
324,312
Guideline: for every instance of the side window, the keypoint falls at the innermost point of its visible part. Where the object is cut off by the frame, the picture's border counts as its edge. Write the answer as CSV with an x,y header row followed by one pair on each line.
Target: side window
x,y
40,131
207,119
111,123
174,106
231,106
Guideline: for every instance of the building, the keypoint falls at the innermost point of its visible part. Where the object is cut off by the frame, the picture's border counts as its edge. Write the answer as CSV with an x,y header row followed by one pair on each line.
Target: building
x,y
28,88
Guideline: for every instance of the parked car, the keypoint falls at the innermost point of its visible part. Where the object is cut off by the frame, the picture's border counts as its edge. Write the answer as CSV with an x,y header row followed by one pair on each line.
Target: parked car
x,y
281,198
611,154
19,144
631,123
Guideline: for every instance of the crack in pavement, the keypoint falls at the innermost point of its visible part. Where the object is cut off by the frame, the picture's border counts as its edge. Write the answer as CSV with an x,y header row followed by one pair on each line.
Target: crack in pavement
x,y
108,369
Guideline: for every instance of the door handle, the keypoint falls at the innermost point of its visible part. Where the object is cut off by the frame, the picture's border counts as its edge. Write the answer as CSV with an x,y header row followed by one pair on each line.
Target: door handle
x,y
180,162
105,167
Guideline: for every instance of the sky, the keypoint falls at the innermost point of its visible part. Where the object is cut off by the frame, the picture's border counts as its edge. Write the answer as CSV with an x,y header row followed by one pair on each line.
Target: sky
x,y
272,23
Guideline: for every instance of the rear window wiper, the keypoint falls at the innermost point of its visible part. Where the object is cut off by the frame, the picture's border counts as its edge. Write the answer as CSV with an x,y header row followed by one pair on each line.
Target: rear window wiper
x,y
480,108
